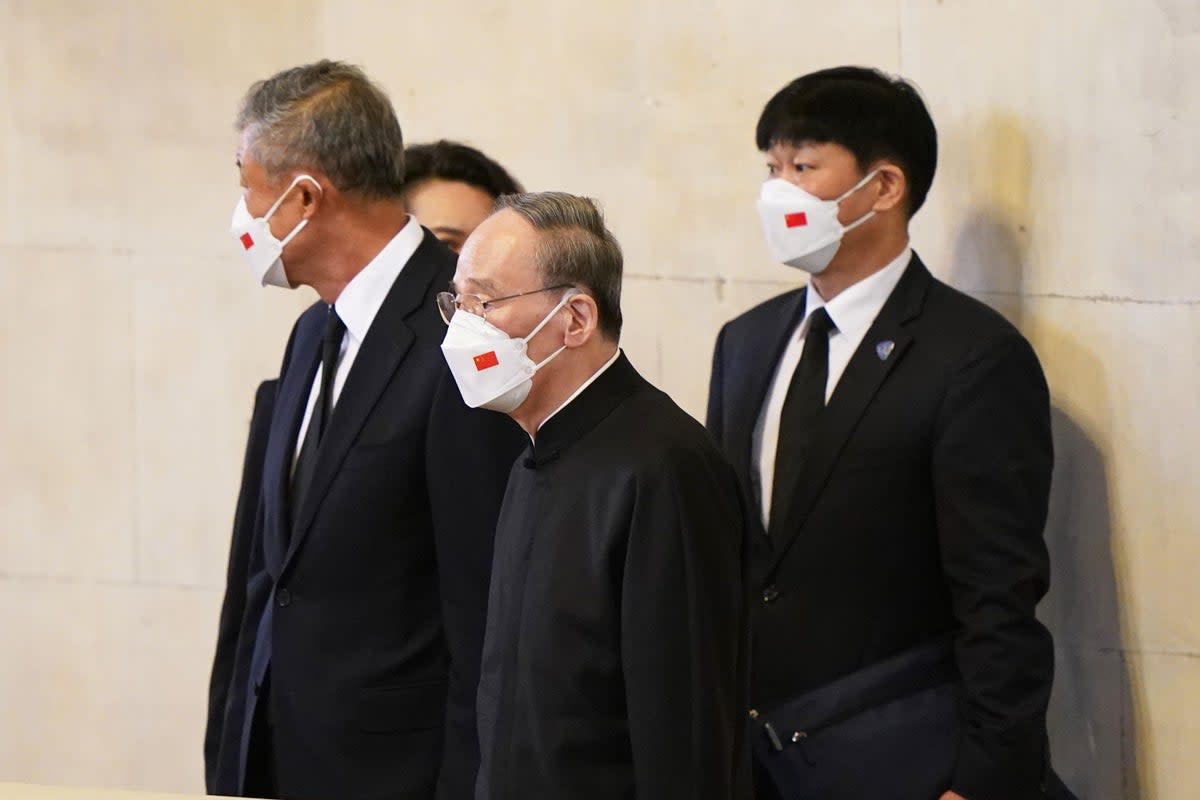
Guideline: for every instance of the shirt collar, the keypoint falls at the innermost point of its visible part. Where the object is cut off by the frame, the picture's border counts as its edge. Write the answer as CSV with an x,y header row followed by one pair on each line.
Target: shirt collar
x,y
359,302
583,386
595,400
853,311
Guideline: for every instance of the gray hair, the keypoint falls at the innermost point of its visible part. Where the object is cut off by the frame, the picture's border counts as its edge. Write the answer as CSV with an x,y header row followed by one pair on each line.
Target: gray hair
x,y
575,248
331,117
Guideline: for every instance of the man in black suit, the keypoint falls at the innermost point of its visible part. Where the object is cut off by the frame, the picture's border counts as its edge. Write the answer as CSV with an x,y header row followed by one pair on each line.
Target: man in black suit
x,y
454,186
450,188
893,436
358,651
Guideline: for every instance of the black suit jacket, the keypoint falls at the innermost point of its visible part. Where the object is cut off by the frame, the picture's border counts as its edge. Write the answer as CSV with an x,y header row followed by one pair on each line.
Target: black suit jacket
x,y
920,512
367,603
233,606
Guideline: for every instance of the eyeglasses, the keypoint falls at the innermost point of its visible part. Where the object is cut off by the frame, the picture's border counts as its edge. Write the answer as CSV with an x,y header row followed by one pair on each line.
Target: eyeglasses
x,y
448,302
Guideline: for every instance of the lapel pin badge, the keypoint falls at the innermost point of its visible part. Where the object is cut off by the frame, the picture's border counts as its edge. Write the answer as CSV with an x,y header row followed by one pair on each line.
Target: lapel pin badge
x,y
884,349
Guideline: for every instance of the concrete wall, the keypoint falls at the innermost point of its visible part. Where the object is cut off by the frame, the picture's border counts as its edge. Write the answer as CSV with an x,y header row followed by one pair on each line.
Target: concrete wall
x,y
131,337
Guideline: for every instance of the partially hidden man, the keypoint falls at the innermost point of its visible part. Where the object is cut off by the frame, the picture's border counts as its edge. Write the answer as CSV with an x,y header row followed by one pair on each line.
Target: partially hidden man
x,y
614,661
358,651
893,436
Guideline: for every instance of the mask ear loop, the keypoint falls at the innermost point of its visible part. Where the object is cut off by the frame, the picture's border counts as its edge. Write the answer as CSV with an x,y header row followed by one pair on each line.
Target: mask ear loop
x,y
851,191
275,206
858,185
567,295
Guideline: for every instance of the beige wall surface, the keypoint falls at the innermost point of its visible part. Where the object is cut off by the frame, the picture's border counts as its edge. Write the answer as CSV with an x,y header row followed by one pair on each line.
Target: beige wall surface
x,y
132,338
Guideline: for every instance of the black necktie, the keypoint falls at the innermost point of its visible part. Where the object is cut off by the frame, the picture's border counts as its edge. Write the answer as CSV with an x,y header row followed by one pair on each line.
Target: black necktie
x,y
802,407
331,346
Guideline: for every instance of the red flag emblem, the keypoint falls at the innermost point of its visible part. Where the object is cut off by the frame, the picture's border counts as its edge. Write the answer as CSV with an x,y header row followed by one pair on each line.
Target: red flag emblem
x,y
486,361
797,220
247,240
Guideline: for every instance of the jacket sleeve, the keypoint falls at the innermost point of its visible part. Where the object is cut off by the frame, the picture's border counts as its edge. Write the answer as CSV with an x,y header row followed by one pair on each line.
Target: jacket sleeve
x,y
469,454
714,420
234,603
682,626
992,461
246,590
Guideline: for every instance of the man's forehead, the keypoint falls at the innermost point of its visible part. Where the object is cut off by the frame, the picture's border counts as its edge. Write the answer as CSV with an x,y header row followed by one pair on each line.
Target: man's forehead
x,y
477,285
497,252
245,139
244,153
499,239
244,158
783,150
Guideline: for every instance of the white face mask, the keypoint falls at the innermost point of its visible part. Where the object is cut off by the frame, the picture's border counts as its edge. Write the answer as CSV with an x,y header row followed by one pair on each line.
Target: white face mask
x,y
262,251
491,368
802,230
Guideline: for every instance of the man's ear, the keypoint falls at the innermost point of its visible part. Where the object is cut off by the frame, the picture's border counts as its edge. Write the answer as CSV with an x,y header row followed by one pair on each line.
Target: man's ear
x,y
583,319
893,187
312,195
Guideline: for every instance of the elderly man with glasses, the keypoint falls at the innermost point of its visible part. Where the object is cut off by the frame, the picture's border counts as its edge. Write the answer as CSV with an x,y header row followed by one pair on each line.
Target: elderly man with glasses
x,y
615,656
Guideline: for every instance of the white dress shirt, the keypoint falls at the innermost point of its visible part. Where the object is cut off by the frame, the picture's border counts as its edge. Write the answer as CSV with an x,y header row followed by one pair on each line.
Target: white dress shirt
x,y
852,312
357,306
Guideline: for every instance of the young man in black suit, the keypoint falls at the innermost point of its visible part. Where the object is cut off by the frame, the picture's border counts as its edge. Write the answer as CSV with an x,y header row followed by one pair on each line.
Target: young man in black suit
x,y
357,656
893,438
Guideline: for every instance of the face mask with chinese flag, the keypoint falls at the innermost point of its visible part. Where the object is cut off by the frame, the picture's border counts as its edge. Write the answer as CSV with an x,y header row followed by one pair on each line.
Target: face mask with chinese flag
x,y
802,230
491,368
262,251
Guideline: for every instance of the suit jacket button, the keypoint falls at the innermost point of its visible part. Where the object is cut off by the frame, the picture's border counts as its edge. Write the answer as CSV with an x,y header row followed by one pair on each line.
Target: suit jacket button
x,y
283,597
770,594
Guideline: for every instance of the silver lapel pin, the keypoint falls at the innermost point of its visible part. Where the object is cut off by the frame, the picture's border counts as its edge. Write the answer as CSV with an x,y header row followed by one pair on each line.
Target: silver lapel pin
x,y
884,349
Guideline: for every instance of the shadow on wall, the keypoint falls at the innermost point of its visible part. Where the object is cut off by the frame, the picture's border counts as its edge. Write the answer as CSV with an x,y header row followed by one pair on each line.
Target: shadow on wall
x,y
1092,725
1092,730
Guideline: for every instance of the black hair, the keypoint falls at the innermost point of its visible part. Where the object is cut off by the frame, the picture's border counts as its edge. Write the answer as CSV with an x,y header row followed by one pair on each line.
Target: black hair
x,y
873,115
453,161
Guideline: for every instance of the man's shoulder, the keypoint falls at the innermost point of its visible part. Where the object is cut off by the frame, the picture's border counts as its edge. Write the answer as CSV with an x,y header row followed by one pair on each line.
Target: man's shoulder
x,y
662,433
307,326
956,317
435,263
410,299
765,313
442,259
667,452
314,314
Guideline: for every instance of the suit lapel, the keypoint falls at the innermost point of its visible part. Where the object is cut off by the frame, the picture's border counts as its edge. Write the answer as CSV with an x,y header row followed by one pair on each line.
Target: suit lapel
x,y
388,340
755,373
858,385
294,389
